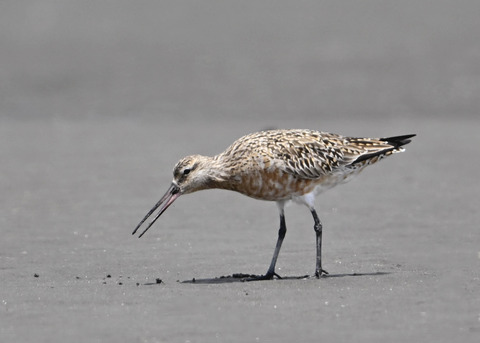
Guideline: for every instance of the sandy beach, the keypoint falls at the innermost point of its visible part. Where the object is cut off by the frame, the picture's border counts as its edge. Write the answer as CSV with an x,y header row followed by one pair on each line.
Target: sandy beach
x,y
98,104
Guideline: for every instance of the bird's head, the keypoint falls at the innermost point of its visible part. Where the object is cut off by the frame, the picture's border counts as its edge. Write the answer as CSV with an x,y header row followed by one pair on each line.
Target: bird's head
x,y
190,174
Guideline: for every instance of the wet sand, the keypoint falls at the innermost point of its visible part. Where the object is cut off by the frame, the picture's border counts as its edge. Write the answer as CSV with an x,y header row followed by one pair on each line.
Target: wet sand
x,y
400,243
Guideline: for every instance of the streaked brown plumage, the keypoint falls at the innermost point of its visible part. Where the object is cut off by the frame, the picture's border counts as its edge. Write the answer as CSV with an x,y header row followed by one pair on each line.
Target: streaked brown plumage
x,y
280,165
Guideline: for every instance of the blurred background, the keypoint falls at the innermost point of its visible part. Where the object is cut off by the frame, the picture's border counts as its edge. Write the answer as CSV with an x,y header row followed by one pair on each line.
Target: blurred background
x,y
224,60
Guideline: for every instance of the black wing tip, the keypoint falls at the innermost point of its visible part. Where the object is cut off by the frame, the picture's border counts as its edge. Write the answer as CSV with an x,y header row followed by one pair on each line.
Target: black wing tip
x,y
398,141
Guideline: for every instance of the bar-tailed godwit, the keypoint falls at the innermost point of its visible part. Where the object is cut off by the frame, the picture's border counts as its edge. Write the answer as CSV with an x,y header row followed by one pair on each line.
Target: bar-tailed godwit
x,y
279,165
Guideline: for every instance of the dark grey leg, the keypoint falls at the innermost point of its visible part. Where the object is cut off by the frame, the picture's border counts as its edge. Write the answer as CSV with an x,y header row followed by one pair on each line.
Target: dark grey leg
x,y
318,232
281,235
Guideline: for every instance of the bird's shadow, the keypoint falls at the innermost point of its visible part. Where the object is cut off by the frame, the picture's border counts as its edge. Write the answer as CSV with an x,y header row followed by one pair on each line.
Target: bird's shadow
x,y
250,278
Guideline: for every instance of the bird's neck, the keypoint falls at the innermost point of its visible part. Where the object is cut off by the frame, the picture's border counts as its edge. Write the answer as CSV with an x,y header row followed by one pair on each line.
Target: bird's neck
x,y
218,173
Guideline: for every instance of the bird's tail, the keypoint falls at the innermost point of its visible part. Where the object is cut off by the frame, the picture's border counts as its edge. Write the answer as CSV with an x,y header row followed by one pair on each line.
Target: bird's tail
x,y
398,141
387,147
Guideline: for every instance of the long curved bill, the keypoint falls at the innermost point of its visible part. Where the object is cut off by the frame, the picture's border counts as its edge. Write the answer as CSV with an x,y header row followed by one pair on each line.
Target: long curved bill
x,y
170,196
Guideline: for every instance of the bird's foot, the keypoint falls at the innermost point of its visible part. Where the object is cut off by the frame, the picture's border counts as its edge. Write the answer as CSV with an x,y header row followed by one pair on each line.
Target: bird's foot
x,y
268,276
320,273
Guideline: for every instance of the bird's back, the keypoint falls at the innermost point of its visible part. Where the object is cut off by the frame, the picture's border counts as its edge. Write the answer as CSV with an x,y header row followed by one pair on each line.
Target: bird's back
x,y
277,164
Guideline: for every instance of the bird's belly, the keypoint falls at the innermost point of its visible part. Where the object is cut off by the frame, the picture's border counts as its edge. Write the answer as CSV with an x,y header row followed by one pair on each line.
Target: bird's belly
x,y
275,186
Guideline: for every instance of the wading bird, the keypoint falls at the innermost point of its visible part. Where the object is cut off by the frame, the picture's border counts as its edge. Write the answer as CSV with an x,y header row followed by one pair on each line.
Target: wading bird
x,y
279,165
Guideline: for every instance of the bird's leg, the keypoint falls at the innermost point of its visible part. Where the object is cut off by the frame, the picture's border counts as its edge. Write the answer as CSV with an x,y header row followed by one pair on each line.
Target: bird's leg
x,y
318,232
281,235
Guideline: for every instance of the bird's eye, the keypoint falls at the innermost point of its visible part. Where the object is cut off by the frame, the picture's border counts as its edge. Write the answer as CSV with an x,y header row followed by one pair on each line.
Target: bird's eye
x,y
186,171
